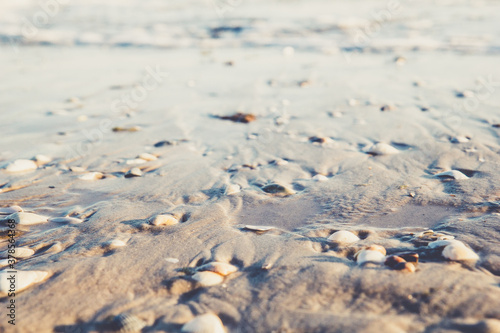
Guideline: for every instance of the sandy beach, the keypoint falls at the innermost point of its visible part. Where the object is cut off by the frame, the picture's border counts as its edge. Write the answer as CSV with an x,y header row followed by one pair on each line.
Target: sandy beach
x,y
236,166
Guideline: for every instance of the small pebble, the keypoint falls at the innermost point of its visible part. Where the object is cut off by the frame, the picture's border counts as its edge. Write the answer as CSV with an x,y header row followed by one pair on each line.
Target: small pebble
x,y
392,261
465,94
147,157
320,178
387,108
278,189
405,267
127,129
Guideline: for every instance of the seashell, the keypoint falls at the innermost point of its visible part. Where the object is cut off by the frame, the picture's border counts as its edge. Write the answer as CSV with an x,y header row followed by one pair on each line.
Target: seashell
x,y
240,117
387,107
114,243
126,323
10,210
91,176
66,219
207,279
392,261
405,267
41,159
7,262
76,169
281,162
23,218
207,323
382,149
460,139
232,189
320,178
164,219
378,248
221,268
21,166
278,189
442,243
319,139
23,280
134,172
18,253
172,260
367,256
410,257
257,228
126,129
399,60
135,161
465,94
459,252
343,237
147,157
455,174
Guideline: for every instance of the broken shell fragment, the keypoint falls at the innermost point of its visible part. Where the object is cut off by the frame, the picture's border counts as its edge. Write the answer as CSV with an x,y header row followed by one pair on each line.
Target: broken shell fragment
x,y
459,252
207,279
66,219
23,218
343,237
221,268
114,243
257,228
134,172
207,323
21,166
18,253
232,189
125,323
163,219
10,210
454,174
382,149
91,176
24,279
147,157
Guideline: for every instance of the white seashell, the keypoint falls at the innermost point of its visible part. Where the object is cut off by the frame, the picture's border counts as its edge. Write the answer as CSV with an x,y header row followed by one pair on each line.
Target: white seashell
x,y
147,157
18,253
10,210
164,219
365,256
320,178
460,139
459,252
135,161
114,243
23,218
91,176
23,280
66,219
134,172
232,189
207,279
7,262
443,242
281,162
41,159
455,174
207,323
221,268
21,166
288,51
172,260
257,227
344,237
382,149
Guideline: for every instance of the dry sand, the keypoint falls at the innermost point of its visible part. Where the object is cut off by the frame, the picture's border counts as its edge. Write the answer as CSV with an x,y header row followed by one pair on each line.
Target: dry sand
x,y
432,105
